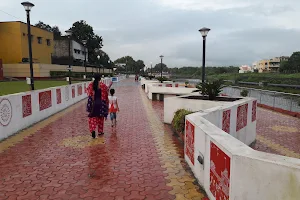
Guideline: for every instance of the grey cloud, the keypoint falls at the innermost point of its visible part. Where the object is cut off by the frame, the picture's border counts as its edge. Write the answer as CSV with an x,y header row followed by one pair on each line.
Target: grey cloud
x,y
243,47
145,28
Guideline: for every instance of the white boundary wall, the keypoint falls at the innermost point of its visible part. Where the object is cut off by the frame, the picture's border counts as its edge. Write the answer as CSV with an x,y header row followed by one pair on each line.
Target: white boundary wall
x,y
21,110
226,167
153,87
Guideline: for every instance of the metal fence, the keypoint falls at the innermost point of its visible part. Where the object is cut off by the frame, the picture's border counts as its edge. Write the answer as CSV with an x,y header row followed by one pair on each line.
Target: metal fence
x,y
286,101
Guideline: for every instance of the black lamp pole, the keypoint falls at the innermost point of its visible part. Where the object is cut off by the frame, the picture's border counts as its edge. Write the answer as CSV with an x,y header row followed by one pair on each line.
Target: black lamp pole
x,y
84,44
203,60
161,67
69,33
204,31
28,6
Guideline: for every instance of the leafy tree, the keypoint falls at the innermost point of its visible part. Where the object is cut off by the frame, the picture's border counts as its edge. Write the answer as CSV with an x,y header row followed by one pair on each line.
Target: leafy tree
x,y
131,65
157,68
83,31
292,65
139,64
104,59
55,30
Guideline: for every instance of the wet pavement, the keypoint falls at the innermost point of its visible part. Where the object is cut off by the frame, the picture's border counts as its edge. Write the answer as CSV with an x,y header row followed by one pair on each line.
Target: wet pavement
x,y
277,133
58,159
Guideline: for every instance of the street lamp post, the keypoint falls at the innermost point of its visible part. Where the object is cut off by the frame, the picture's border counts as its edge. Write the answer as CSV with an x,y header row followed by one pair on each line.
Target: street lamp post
x,y
69,34
204,31
84,44
27,5
151,69
161,67
98,57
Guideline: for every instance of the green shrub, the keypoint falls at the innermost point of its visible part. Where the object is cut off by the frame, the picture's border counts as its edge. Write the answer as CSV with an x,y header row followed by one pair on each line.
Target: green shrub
x,y
211,89
178,121
244,93
162,79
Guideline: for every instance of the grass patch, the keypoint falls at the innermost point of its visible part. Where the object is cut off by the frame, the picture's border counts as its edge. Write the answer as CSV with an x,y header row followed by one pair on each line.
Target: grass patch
x,y
21,86
290,79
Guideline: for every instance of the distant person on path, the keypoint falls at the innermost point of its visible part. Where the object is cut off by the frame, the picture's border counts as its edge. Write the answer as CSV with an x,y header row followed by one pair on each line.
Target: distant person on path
x,y
97,105
113,107
136,78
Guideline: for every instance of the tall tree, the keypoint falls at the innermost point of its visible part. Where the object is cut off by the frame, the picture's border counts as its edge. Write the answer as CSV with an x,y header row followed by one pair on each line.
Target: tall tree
x,y
292,65
157,67
128,60
55,30
83,31
104,59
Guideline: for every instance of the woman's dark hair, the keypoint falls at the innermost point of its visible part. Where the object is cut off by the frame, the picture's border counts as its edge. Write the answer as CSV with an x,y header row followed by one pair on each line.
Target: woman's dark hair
x,y
112,92
97,78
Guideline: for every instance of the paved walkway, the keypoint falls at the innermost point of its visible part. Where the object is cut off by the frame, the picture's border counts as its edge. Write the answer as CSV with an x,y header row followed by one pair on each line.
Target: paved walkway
x,y
57,158
277,133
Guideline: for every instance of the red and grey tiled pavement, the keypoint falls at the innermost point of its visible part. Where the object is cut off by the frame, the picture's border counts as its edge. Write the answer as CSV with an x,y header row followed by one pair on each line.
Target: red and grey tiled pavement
x,y
57,158
277,133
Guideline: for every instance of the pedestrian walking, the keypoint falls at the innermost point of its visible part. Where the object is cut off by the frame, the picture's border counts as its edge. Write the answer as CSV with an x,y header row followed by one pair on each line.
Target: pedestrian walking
x,y
113,107
97,105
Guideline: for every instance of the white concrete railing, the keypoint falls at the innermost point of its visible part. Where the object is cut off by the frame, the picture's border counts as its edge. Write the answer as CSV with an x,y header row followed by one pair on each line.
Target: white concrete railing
x,y
21,110
236,118
154,87
225,166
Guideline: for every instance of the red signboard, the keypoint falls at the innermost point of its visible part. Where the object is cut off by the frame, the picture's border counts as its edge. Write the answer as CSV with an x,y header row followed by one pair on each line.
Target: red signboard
x,y
219,173
58,96
26,105
45,100
189,140
226,121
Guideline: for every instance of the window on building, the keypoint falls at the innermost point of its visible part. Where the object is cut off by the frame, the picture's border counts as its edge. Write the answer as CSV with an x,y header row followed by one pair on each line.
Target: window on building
x,y
39,40
48,42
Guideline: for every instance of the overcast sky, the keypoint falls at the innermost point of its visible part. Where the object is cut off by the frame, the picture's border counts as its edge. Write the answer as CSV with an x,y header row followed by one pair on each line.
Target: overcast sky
x,y
242,31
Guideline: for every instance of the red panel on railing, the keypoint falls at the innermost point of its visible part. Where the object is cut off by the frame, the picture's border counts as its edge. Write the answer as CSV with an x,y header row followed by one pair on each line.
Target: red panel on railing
x,y
26,105
79,90
58,96
168,85
189,140
73,91
241,119
219,173
45,100
226,121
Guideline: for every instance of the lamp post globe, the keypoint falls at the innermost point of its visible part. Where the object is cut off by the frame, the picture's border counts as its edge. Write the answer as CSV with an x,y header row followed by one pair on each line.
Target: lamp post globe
x,y
27,6
204,31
